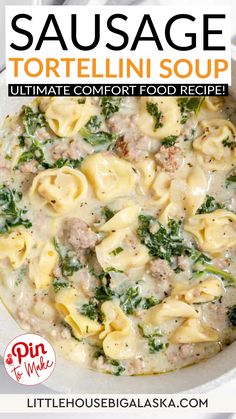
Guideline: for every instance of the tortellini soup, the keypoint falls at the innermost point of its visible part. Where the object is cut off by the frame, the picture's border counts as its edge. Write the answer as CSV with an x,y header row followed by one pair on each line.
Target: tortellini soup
x,y
118,228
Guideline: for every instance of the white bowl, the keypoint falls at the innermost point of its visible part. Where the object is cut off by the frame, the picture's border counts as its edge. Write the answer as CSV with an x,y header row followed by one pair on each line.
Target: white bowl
x,y
68,377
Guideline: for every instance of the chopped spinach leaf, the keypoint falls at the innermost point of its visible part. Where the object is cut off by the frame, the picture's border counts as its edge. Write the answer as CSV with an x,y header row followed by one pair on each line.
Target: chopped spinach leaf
x,y
34,152
209,205
104,292
11,215
69,263
169,141
21,139
98,353
130,300
152,109
32,120
148,302
93,124
107,213
90,310
231,313
228,143
166,243
231,179
75,164
59,283
110,105
155,345
90,133
198,257
119,368
150,331
189,104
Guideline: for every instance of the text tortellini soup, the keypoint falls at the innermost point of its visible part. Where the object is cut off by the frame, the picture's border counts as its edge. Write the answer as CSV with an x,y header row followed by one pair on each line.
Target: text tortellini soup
x,y
118,228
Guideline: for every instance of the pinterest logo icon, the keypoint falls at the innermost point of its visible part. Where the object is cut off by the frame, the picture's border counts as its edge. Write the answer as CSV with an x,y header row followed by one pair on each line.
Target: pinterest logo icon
x,y
29,359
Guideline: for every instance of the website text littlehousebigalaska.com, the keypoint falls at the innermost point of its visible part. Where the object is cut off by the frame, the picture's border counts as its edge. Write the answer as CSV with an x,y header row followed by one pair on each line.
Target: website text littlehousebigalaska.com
x,y
116,402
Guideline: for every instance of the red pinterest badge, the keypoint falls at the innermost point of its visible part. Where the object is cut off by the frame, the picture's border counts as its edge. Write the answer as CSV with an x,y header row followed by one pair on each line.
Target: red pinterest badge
x,y
29,359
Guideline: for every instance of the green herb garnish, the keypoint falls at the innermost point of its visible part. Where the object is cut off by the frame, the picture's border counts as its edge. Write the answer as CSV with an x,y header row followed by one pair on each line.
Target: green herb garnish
x,y
116,251
110,105
187,105
92,134
152,109
32,120
155,345
130,299
231,313
148,302
90,310
169,141
59,283
150,331
166,242
104,292
228,143
34,152
119,368
11,215
231,179
69,263
209,205
198,257
107,213
98,353
74,163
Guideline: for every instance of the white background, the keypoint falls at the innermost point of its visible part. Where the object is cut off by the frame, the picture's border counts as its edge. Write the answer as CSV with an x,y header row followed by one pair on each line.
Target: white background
x,y
85,33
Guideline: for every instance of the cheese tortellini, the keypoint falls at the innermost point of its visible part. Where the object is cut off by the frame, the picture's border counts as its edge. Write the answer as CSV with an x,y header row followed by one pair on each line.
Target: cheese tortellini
x,y
214,232
59,190
161,188
124,218
147,171
110,176
15,246
203,292
211,147
178,195
169,309
194,331
169,117
122,250
118,337
67,115
42,265
67,304
196,190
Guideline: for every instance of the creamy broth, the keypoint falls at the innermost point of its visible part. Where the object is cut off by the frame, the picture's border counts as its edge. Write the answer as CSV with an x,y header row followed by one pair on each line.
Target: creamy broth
x,y
118,228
